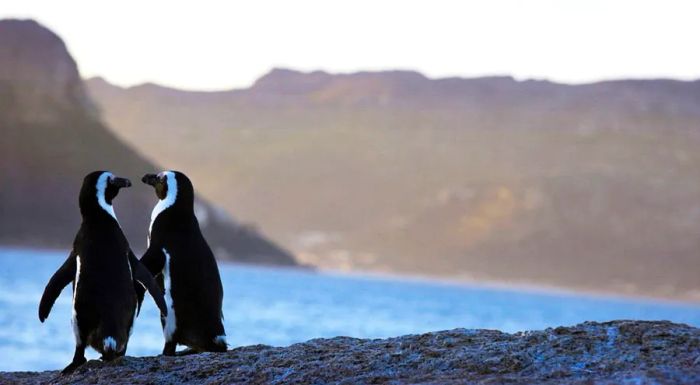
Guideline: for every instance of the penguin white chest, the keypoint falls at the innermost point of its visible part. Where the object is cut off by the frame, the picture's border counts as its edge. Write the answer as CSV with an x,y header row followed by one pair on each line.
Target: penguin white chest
x,y
74,318
170,320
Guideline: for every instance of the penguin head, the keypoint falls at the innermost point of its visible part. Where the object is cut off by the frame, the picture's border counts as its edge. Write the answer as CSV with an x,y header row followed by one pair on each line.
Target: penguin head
x,y
99,190
172,188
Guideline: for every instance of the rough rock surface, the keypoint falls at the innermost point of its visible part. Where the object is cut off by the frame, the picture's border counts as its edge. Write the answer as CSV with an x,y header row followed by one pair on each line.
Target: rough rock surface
x,y
617,352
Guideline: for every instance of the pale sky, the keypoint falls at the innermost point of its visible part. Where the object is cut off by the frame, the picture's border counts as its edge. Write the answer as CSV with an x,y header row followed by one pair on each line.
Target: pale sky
x,y
228,44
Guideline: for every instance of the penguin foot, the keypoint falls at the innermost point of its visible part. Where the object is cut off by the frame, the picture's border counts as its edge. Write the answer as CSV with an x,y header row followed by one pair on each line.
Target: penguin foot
x,y
217,348
169,348
187,352
109,356
72,366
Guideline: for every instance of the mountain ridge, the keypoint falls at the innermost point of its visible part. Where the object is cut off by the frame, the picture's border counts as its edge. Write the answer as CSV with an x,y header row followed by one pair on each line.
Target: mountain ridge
x,y
486,98
275,73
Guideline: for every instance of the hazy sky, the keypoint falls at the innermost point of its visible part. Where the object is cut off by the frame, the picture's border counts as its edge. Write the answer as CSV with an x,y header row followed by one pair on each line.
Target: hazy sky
x,y
223,44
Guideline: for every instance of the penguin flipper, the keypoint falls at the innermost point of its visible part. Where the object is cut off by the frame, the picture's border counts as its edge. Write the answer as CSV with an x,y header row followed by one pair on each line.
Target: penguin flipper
x,y
140,291
60,279
145,279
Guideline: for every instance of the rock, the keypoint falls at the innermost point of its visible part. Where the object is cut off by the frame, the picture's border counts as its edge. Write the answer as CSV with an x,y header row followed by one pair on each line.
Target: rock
x,y
634,352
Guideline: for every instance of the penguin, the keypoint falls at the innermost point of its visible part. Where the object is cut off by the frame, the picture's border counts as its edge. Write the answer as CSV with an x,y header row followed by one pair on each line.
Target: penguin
x,y
105,274
184,266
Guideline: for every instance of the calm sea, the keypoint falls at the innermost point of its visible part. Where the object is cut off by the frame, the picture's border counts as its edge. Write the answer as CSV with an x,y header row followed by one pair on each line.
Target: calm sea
x,y
280,307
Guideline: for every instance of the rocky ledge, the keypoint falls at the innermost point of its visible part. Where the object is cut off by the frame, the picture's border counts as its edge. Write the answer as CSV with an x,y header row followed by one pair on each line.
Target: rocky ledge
x,y
618,352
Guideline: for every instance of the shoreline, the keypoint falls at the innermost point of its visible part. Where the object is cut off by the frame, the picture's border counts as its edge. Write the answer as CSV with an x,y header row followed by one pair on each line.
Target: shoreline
x,y
494,284
526,287
692,300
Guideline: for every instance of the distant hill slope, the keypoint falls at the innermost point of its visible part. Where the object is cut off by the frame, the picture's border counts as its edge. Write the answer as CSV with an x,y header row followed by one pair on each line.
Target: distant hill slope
x,y
52,137
593,186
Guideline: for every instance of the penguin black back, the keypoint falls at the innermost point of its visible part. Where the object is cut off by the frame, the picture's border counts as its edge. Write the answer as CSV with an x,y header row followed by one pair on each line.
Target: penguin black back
x,y
185,267
103,271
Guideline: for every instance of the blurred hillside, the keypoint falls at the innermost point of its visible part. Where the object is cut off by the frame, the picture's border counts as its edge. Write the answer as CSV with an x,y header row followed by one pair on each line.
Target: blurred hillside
x,y
52,137
592,186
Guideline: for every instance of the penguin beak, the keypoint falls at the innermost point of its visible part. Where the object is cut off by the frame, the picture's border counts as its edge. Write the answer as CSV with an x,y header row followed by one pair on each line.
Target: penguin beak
x,y
150,179
121,182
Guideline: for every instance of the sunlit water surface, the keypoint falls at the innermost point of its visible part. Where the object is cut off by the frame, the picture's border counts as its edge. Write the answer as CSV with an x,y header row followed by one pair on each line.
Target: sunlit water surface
x,y
281,307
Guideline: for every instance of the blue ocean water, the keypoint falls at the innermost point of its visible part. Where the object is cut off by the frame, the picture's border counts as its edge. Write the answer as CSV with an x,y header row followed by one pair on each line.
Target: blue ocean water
x,y
280,307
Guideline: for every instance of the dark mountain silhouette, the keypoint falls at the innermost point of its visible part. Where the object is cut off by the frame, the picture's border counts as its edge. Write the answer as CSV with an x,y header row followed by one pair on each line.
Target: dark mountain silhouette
x,y
593,186
52,137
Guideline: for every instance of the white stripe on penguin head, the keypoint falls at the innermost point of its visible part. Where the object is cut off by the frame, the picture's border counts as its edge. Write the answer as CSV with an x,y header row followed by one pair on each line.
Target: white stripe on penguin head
x,y
169,199
101,187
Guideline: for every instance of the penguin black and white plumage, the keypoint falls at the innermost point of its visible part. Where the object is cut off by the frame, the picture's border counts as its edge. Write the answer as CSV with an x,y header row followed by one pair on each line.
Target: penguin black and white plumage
x,y
105,274
184,265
